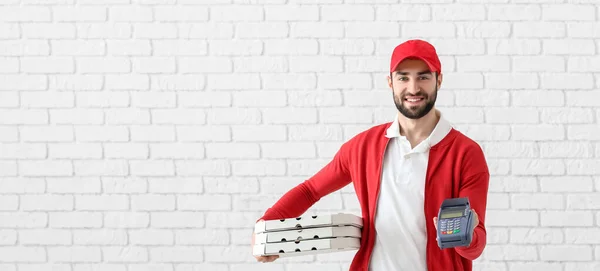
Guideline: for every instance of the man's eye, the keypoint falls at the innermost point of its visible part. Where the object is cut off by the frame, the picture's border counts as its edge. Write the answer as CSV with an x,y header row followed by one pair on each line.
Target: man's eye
x,y
402,78
424,78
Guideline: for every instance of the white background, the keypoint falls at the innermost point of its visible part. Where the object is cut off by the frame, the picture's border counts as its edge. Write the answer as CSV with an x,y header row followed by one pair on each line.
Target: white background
x,y
151,134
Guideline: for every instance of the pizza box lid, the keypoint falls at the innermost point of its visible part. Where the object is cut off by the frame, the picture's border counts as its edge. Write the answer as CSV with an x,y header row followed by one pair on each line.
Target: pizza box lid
x,y
307,234
307,247
308,221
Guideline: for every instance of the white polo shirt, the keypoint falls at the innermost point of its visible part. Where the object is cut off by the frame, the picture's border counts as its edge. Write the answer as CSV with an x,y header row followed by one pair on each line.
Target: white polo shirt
x,y
400,242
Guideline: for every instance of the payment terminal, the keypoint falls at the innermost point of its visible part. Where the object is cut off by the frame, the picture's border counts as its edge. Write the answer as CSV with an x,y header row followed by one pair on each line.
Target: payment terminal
x,y
455,223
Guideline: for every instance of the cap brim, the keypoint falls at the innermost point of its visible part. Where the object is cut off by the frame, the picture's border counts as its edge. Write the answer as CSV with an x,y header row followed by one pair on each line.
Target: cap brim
x,y
431,67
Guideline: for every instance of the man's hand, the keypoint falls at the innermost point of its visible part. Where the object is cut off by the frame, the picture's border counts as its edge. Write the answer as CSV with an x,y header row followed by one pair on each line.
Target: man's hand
x,y
262,259
475,221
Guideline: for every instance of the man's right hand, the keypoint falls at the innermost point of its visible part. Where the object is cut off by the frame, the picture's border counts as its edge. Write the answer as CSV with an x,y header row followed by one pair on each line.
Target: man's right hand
x,y
263,259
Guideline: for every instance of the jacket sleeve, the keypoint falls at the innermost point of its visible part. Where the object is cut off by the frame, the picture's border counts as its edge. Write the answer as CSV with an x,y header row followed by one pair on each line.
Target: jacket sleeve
x,y
475,187
333,176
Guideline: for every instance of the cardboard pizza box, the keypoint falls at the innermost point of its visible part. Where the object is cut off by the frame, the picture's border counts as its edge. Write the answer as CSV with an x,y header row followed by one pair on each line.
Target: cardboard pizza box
x,y
308,221
307,234
307,247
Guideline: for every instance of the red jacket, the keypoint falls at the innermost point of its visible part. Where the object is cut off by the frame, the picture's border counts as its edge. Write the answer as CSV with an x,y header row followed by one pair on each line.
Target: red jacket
x,y
456,168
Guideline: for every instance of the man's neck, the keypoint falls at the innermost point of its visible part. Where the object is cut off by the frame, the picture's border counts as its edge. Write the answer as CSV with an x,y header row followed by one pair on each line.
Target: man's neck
x,y
416,130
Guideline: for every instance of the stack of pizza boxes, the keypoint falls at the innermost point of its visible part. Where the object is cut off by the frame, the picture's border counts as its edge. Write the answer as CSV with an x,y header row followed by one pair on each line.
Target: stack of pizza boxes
x,y
309,234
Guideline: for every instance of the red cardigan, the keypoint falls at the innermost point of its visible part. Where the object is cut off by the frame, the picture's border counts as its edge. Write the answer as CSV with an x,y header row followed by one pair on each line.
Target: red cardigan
x,y
456,168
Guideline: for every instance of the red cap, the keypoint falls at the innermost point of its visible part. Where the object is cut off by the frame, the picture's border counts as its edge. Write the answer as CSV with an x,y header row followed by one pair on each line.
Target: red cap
x,y
416,49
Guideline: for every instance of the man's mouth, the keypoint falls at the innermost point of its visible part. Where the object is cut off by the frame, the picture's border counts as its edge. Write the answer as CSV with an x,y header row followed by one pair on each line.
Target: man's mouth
x,y
414,99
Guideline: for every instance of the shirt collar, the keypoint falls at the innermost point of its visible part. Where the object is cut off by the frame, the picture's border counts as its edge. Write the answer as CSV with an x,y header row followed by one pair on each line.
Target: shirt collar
x,y
441,129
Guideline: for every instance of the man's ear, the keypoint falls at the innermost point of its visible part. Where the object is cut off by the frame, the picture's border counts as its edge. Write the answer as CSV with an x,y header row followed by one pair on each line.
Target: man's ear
x,y
389,78
438,77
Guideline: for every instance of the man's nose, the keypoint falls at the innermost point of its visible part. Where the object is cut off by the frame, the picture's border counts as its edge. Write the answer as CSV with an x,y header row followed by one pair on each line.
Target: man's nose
x,y
412,87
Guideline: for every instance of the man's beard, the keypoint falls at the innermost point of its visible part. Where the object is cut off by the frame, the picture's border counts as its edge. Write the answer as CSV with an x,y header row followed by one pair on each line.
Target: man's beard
x,y
416,112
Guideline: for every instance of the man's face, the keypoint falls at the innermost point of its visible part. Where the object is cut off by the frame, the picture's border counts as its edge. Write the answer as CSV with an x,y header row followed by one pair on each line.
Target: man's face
x,y
414,88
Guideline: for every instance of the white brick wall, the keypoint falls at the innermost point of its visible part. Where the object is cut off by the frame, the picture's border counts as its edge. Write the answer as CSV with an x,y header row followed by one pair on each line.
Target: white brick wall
x,y
151,134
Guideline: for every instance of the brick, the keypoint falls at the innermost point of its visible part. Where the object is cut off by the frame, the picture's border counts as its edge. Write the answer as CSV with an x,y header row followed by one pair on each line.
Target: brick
x,y
117,116
25,14
154,100
202,168
493,98
288,150
74,254
568,12
22,151
511,150
537,201
23,254
8,168
9,65
212,133
511,253
209,30
100,168
205,65
233,82
231,185
126,220
152,133
98,267
151,237
177,254
464,81
482,29
583,132
73,48
11,30
583,167
230,254
155,30
45,168
179,47
175,185
9,203
100,237
75,220
244,116
566,149
583,29
46,133
409,13
483,63
233,150
233,219
99,203
204,202
45,237
317,30
557,184
103,65
499,166
104,30
21,185
512,115
76,116
290,81
129,47
152,267
154,65
316,64
24,48
538,98
79,14
237,13
126,150
176,82
539,64
130,14
377,29
351,13
583,64
248,47
124,185
345,115
258,168
289,116
291,13
8,237
569,47
261,63
127,82
582,236
582,98
78,83
515,13
253,30
125,254
549,266
314,133
260,133
177,219
204,99
485,131
72,185
537,132
260,99
460,12
305,168
202,237
514,47
511,218
178,116
536,236
538,167
343,46
344,81
539,29
153,203
47,203
152,168
566,253
462,115
567,219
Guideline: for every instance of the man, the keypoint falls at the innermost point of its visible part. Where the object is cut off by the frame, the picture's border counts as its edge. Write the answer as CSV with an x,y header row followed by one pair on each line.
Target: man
x,y
401,173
